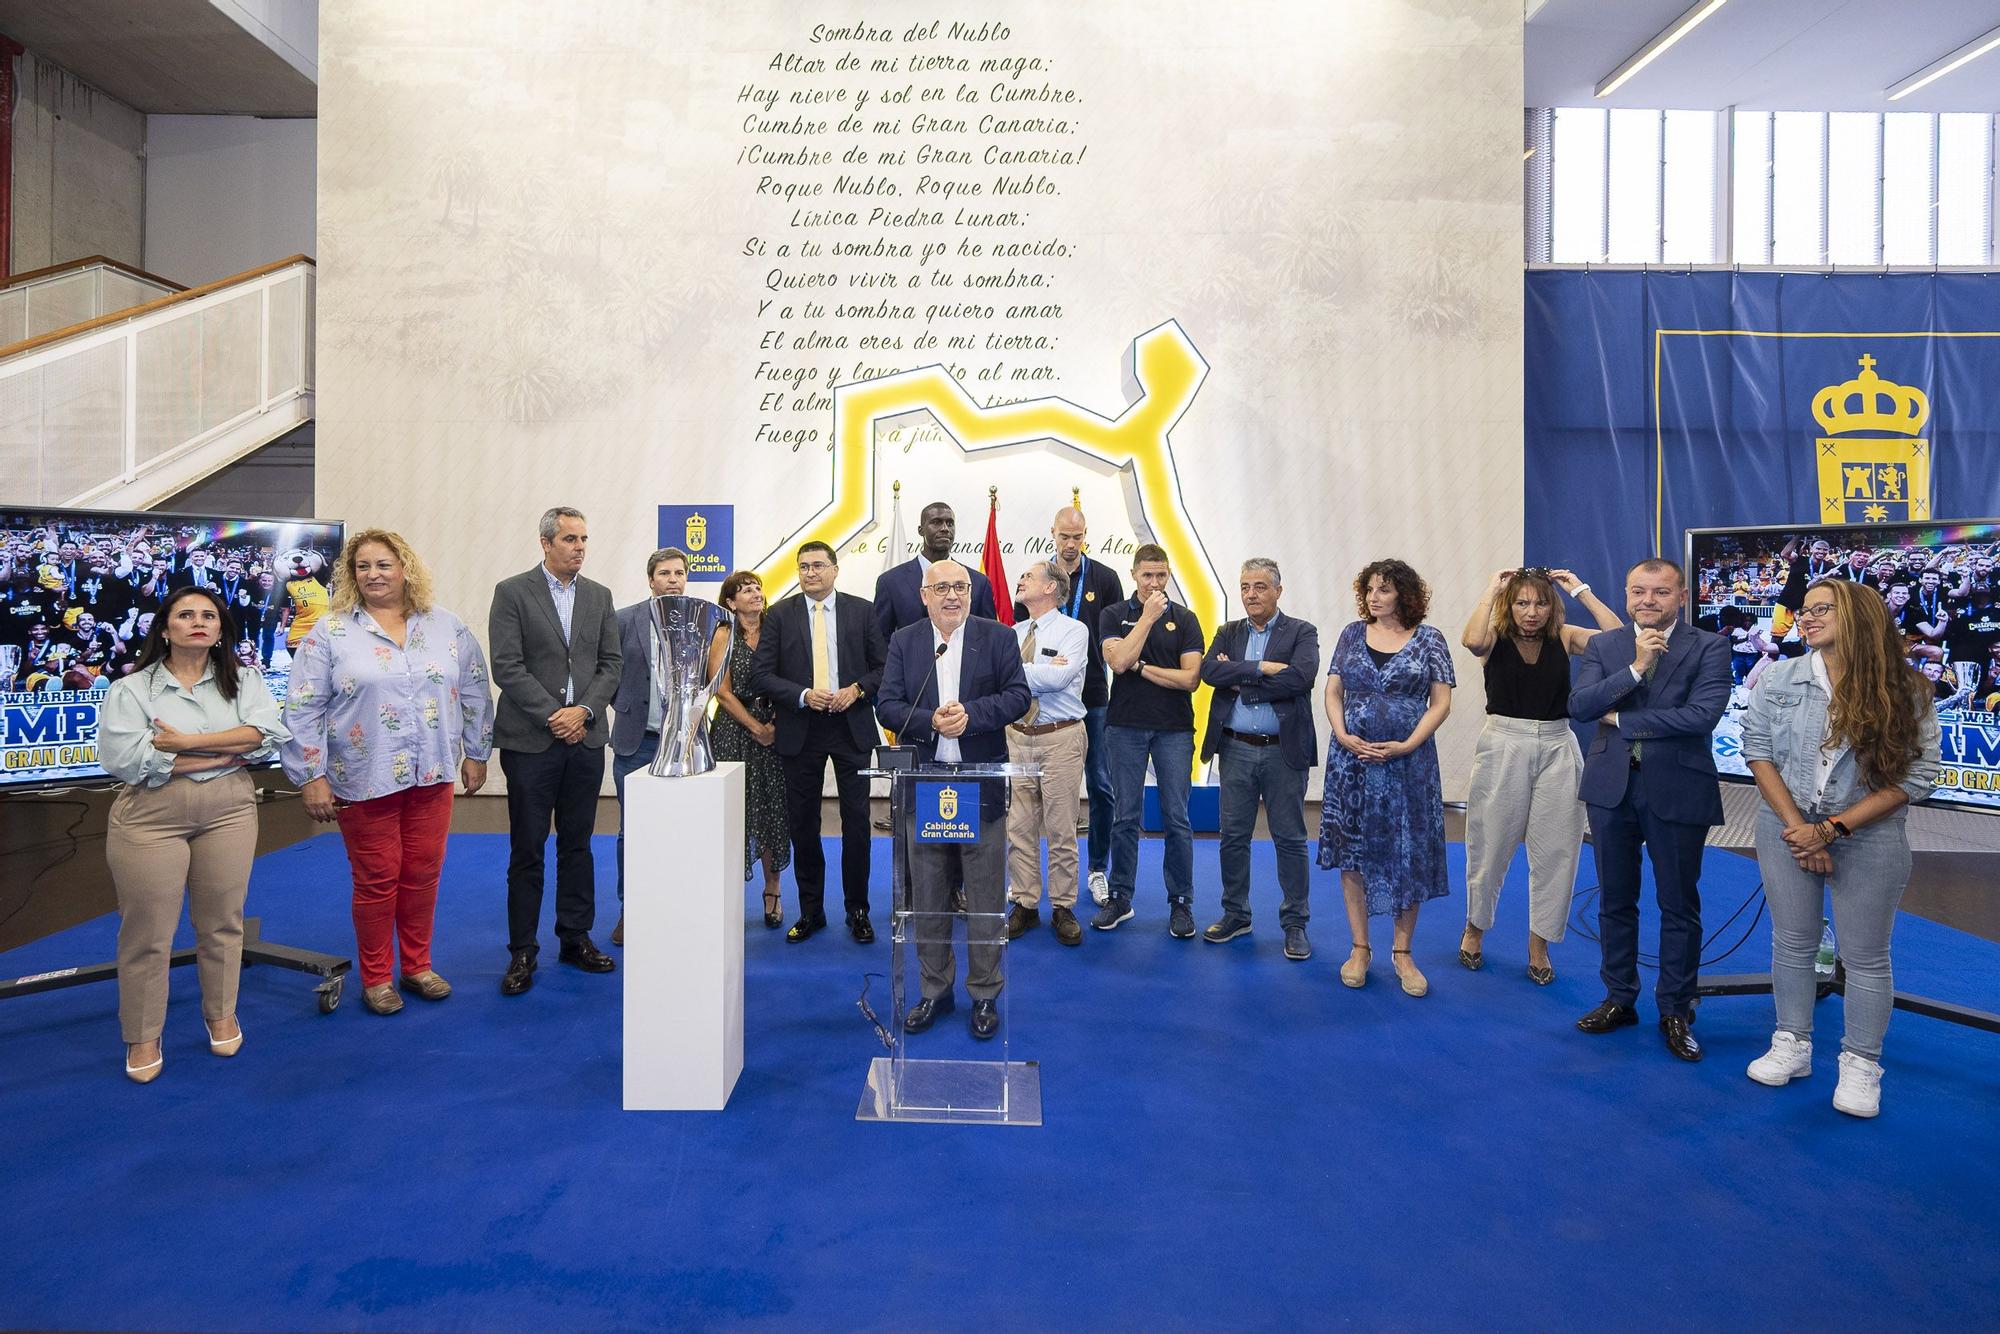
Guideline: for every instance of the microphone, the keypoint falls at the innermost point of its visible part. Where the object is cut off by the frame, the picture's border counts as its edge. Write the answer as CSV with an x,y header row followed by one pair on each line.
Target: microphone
x,y
905,756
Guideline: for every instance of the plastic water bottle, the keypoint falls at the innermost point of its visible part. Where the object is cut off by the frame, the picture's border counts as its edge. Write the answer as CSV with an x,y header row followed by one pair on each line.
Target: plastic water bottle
x,y
1828,951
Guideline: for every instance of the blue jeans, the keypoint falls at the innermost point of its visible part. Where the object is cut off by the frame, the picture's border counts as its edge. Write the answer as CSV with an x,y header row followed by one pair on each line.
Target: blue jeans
x,y
1172,753
1259,773
1097,785
1870,872
621,765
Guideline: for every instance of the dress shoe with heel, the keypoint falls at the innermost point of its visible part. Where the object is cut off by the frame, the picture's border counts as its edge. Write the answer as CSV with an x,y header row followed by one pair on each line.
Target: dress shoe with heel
x,y
224,1046
147,1073
580,952
1677,1031
985,1019
774,911
1609,1016
520,974
926,1011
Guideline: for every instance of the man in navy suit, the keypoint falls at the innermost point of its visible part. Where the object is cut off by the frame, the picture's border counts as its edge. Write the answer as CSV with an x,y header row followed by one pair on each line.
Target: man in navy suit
x,y
819,658
899,597
635,709
1260,721
952,685
1656,689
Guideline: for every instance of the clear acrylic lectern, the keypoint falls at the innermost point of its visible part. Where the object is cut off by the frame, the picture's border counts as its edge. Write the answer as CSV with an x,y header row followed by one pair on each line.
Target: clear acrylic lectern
x,y
949,828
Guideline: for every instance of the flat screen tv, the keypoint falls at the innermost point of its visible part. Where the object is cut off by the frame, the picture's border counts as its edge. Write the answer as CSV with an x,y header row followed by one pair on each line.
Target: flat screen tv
x,y
1942,584
79,589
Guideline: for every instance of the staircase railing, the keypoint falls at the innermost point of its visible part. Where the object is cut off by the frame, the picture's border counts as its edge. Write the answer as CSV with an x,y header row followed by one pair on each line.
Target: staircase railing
x,y
32,304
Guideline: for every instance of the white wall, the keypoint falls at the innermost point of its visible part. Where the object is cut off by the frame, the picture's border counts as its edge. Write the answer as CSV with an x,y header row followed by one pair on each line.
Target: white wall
x,y
79,180
288,27
227,193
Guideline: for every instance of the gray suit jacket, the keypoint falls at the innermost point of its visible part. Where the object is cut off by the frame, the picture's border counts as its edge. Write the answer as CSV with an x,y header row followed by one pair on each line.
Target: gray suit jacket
x,y
530,661
635,679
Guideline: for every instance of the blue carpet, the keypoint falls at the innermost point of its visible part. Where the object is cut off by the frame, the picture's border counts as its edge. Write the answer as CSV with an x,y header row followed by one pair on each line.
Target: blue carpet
x,y
1232,1141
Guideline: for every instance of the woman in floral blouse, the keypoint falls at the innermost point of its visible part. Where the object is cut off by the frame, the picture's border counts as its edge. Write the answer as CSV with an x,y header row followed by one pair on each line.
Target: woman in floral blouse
x,y
388,704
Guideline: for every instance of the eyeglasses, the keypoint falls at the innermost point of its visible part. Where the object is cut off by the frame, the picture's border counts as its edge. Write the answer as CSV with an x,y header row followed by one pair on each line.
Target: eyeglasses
x,y
814,566
1819,611
959,589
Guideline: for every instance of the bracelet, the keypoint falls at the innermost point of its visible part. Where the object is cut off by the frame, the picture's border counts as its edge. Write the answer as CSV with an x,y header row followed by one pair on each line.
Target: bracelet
x,y
1579,590
1841,829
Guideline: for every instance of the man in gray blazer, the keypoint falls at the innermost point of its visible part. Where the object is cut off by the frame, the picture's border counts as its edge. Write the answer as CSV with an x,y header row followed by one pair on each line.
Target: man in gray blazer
x,y
635,710
552,637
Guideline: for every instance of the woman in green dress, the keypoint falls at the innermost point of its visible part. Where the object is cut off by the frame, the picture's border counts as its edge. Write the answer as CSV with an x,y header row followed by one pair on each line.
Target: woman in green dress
x,y
743,731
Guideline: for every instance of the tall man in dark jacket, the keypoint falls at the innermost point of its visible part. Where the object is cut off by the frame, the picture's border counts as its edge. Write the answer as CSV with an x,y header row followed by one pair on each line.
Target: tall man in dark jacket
x,y
952,684
819,658
1260,722
1656,689
553,638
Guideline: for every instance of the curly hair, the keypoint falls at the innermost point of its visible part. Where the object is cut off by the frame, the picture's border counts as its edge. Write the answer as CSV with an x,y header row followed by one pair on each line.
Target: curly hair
x,y
1517,583
735,584
1413,595
346,592
1879,699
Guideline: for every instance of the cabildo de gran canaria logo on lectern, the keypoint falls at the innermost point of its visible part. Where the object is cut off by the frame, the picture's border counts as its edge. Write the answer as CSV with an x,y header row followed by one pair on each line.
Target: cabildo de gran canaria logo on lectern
x,y
940,819
1865,475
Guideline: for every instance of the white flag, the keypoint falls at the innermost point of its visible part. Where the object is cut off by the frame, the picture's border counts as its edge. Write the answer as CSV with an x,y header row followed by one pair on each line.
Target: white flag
x,y
899,542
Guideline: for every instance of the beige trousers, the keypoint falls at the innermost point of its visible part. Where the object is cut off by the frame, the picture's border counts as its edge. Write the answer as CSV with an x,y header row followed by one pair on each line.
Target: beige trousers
x,y
183,835
1048,807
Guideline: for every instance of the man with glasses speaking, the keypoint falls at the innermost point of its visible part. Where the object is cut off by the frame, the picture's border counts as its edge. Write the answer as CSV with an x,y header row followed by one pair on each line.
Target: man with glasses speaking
x,y
819,656
952,685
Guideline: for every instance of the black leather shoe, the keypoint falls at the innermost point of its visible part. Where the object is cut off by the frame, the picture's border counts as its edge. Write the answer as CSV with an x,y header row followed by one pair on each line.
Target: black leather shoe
x,y
803,929
618,932
860,928
581,953
520,974
1068,930
926,1011
1021,919
1607,1016
985,1019
958,904
1678,1031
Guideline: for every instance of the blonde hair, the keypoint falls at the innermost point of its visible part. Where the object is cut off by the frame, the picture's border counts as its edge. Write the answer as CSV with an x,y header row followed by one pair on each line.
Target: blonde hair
x,y
346,592
1517,583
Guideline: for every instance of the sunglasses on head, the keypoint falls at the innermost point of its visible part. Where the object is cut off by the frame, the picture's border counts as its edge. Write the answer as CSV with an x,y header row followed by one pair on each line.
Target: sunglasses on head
x,y
1532,572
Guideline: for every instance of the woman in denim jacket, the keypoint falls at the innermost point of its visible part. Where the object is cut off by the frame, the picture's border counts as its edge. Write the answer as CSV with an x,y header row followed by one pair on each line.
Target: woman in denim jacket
x,y
1840,741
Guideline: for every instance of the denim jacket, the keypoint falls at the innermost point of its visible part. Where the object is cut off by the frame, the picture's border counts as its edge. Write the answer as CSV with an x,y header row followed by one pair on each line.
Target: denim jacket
x,y
1785,724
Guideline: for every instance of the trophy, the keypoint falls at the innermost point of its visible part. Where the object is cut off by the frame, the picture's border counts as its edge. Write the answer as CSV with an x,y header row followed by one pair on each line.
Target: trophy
x,y
684,630
10,666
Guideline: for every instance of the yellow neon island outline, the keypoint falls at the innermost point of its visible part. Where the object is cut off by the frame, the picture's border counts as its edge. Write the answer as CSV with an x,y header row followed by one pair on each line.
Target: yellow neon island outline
x,y
1169,371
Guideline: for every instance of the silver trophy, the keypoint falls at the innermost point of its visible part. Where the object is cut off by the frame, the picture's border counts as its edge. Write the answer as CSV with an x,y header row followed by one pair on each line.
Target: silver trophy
x,y
684,631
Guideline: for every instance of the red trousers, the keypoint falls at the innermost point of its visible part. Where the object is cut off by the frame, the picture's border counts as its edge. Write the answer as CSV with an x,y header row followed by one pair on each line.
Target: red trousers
x,y
395,848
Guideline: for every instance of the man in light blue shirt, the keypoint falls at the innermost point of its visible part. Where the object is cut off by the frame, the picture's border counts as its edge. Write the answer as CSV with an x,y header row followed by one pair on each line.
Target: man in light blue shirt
x,y
1055,653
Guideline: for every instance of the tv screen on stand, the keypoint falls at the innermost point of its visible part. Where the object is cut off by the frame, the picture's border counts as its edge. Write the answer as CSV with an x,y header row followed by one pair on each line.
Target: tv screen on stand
x,y
79,590
1942,584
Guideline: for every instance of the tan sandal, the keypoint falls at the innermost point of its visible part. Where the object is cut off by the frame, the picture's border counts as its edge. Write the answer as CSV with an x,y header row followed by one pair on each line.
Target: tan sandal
x,y
1353,976
1414,982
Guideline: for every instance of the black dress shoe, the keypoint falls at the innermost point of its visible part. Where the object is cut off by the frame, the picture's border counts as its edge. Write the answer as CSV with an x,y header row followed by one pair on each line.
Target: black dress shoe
x,y
1679,1034
985,1019
1021,919
1607,1016
860,928
925,1012
520,974
804,928
581,953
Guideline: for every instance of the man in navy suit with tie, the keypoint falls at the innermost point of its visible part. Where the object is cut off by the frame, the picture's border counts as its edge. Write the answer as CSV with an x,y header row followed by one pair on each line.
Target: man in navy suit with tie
x,y
1656,689
899,599
952,685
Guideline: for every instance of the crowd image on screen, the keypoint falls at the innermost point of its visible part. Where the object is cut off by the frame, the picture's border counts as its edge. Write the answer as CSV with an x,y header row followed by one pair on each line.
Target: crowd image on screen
x,y
1945,598
79,593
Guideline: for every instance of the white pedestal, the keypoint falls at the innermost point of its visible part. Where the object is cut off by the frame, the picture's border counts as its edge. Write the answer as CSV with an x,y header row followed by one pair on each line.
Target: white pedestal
x,y
683,964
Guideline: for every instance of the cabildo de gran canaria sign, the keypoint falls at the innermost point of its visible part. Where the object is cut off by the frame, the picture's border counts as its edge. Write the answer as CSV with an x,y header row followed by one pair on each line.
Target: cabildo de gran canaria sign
x,y
1874,467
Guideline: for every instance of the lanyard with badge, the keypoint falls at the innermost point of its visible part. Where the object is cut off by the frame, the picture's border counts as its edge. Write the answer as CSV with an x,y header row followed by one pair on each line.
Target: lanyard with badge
x,y
1076,590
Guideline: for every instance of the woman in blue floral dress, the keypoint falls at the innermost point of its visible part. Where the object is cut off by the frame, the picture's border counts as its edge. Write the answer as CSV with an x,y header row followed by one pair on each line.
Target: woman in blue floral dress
x,y
1388,688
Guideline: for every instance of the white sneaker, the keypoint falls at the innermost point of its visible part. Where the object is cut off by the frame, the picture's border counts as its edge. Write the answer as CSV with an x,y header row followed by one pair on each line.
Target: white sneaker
x,y
1860,1089
1790,1058
1100,888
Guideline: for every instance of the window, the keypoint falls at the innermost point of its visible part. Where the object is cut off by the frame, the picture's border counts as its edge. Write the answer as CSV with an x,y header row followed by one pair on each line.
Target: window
x,y
1907,188
1688,208
1965,188
1576,225
1798,176
1854,187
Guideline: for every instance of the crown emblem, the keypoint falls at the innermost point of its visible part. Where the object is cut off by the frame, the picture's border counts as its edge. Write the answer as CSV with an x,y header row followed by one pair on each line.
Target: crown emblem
x,y
947,803
1883,405
697,532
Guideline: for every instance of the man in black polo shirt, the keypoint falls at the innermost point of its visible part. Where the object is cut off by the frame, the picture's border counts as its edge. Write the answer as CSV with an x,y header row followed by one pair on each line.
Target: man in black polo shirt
x,y
1153,648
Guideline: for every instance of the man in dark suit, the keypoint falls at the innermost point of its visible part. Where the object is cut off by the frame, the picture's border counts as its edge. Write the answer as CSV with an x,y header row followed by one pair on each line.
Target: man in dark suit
x,y
899,589
1656,689
952,686
553,639
635,709
1260,722
820,655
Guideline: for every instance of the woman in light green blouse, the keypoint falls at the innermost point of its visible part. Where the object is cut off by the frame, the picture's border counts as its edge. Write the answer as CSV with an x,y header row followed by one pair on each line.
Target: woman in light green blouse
x,y
178,732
